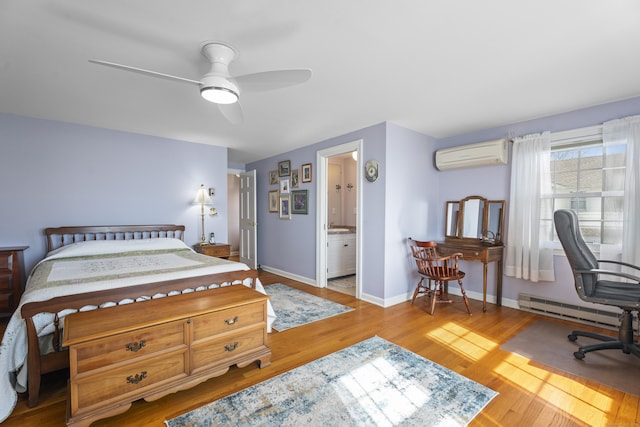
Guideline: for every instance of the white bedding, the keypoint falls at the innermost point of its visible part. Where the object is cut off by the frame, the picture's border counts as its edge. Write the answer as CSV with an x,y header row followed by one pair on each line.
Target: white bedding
x,y
90,266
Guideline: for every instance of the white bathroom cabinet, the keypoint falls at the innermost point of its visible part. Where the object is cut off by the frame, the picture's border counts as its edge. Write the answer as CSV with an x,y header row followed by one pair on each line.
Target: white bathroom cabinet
x,y
341,254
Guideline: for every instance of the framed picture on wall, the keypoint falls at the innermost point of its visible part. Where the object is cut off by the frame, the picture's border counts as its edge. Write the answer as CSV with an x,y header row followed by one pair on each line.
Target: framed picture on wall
x,y
273,177
285,209
306,172
284,168
300,202
295,178
284,186
273,201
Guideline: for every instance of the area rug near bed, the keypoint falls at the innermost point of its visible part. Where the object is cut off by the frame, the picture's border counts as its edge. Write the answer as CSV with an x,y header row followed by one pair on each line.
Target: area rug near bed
x,y
546,342
294,307
372,383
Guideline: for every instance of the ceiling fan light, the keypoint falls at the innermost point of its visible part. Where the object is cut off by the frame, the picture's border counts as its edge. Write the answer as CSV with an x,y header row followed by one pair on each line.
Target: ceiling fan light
x,y
219,95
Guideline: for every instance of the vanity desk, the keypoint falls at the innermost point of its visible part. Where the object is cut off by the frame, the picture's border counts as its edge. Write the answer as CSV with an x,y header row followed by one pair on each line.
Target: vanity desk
x,y
474,227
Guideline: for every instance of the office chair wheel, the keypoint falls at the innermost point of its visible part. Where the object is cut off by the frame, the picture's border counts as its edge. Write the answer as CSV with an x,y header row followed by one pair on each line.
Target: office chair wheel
x,y
573,337
578,355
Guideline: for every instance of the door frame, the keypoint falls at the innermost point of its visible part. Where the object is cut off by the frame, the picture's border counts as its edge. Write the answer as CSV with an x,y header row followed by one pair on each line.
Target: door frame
x,y
322,163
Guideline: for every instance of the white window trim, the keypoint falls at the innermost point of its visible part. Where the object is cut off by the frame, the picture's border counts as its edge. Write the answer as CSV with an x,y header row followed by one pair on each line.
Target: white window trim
x,y
572,136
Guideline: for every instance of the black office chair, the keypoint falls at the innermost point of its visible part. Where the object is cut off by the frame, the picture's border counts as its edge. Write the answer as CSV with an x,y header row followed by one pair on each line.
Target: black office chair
x,y
592,287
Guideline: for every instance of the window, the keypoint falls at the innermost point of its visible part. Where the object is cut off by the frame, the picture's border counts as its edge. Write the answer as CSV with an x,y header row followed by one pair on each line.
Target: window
x,y
588,177
579,204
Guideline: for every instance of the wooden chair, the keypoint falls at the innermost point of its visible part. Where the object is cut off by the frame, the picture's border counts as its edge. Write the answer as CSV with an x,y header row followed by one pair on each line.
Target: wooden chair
x,y
438,271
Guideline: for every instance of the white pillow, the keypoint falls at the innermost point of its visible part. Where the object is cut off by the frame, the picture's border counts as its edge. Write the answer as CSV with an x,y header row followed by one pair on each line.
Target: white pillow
x,y
101,247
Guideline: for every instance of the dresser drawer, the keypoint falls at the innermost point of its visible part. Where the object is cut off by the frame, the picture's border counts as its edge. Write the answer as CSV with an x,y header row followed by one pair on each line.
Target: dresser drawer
x,y
5,261
12,277
473,253
221,350
118,384
227,320
107,351
5,281
468,254
6,301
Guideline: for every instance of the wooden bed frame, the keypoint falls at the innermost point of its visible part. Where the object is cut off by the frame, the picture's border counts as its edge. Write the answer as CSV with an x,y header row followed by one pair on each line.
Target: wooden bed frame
x,y
39,364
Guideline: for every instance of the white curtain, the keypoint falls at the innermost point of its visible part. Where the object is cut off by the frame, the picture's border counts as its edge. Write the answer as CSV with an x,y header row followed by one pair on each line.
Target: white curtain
x,y
627,131
529,254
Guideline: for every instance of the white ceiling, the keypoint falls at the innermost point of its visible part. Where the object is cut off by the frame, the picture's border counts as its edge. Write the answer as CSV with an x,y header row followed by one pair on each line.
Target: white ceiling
x,y
441,68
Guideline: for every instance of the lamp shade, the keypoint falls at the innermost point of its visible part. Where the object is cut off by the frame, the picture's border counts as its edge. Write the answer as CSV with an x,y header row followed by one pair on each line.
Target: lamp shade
x,y
202,197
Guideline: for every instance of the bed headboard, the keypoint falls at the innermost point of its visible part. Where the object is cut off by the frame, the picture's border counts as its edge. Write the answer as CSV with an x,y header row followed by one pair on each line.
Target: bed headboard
x,y
62,236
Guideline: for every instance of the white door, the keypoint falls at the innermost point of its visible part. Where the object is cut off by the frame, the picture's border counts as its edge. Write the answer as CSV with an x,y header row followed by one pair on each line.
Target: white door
x,y
248,224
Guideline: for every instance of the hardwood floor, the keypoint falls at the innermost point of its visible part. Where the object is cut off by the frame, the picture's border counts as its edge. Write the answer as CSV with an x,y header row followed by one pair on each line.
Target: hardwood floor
x,y
530,394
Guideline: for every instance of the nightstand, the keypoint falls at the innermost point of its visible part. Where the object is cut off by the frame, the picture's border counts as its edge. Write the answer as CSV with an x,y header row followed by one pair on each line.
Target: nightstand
x,y
220,250
12,278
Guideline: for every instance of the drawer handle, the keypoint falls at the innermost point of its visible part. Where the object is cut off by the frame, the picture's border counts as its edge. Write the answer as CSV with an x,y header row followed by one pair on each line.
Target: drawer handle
x,y
231,347
231,321
136,346
135,379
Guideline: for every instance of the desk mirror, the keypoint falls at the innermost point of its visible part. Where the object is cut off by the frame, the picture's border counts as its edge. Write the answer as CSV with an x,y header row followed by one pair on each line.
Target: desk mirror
x,y
475,218
453,210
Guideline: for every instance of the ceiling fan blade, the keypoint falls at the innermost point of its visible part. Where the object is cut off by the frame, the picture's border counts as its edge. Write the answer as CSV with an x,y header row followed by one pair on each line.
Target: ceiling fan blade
x,y
232,112
143,71
269,80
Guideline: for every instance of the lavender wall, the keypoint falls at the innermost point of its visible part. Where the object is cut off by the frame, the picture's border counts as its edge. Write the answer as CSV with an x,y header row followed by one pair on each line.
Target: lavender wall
x,y
408,201
395,207
290,245
493,183
410,207
56,174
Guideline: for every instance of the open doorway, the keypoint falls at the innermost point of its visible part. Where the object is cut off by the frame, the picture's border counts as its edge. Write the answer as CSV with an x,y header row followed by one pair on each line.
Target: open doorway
x,y
241,220
339,218
233,218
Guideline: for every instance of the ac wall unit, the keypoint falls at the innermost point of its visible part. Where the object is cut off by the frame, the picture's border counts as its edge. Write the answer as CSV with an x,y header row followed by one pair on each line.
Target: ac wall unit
x,y
473,155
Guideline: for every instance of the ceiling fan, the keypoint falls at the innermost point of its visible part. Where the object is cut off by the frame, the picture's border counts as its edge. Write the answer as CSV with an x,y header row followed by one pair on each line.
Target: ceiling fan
x,y
218,86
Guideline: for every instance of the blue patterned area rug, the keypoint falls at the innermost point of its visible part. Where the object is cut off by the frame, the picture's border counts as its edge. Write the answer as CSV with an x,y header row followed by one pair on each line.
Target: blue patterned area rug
x,y
372,383
294,307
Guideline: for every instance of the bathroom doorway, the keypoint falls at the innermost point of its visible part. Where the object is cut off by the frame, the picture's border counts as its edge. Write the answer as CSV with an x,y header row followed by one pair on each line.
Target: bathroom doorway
x,y
339,218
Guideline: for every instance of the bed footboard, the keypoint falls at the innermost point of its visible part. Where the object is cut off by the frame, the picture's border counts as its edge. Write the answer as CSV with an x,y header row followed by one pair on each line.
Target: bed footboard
x,y
39,364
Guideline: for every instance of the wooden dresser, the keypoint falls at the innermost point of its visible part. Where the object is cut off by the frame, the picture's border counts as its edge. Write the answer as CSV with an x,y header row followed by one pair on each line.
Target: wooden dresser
x,y
149,349
220,250
12,278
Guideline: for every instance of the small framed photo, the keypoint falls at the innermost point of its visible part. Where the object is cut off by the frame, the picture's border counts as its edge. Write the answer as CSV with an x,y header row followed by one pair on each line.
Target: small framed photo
x,y
273,201
295,178
284,168
284,186
285,209
273,177
300,202
306,172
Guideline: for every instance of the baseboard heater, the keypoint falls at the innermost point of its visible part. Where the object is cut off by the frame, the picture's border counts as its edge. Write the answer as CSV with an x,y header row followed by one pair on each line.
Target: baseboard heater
x,y
564,310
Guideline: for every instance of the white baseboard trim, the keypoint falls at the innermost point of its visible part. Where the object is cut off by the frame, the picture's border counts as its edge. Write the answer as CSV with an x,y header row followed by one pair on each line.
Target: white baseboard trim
x,y
291,276
398,299
372,299
506,302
